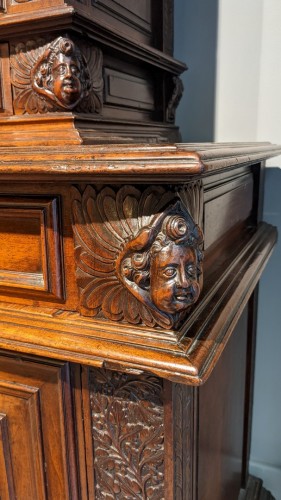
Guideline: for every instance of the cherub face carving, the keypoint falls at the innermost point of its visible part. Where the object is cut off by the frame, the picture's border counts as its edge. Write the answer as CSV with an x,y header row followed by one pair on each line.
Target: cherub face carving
x,y
56,76
139,255
61,74
66,84
174,282
164,271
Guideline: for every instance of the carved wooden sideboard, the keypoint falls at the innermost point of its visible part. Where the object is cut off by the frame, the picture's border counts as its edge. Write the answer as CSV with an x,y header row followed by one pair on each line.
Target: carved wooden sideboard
x,y
128,271
128,277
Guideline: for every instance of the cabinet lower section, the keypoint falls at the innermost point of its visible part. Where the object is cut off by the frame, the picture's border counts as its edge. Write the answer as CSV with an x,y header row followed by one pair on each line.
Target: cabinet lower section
x,y
69,431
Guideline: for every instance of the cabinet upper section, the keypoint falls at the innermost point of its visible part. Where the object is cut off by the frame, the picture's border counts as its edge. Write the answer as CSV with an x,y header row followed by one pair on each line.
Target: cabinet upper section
x,y
102,71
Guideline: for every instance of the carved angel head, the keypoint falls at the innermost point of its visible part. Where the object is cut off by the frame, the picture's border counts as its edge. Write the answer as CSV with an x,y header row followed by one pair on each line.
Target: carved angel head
x,y
61,74
138,255
162,265
56,76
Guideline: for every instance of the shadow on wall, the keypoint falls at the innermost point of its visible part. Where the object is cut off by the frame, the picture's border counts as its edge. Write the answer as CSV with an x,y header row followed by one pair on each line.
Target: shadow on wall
x,y
266,442
197,23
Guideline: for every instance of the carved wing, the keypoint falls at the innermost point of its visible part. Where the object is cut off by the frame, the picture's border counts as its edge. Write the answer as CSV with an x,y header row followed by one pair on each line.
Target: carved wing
x,y
94,61
23,58
103,224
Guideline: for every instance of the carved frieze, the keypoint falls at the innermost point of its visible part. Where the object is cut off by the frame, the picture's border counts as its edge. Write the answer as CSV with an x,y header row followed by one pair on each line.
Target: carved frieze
x,y
128,435
138,253
56,75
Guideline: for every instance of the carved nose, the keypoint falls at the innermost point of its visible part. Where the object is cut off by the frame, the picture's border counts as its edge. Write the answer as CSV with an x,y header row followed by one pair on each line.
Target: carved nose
x,y
182,279
68,73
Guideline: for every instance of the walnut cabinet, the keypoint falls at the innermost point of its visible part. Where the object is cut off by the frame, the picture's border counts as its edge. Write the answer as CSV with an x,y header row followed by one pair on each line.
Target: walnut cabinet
x,y
127,319
129,266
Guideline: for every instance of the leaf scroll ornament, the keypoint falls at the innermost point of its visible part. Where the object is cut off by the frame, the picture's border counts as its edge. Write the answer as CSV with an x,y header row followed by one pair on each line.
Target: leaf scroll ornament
x,y
128,436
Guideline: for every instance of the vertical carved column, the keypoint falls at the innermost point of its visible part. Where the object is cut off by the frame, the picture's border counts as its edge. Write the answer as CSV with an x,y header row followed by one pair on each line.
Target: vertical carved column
x,y
128,435
184,411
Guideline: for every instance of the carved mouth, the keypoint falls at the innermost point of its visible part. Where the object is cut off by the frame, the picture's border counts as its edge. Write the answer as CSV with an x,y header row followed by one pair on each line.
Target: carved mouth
x,y
183,297
69,89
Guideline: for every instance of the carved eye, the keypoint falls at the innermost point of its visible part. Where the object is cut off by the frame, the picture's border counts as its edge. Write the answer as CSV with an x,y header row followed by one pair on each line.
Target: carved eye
x,y
61,69
191,271
74,70
169,272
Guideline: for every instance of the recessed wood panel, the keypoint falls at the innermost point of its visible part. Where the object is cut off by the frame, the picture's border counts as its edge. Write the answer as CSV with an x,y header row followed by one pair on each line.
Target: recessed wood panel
x,y
130,16
15,6
30,247
128,90
6,483
227,205
36,403
6,106
25,438
20,236
221,421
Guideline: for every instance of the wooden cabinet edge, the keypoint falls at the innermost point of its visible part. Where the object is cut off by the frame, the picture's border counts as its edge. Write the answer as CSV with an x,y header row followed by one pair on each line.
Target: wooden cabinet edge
x,y
100,343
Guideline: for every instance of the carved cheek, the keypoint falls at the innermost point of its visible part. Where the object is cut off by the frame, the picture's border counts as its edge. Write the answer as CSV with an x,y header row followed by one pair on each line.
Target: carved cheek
x,y
162,293
195,290
57,88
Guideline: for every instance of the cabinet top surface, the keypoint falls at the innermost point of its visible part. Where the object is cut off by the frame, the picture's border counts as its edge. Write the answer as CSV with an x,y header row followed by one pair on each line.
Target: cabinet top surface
x,y
131,162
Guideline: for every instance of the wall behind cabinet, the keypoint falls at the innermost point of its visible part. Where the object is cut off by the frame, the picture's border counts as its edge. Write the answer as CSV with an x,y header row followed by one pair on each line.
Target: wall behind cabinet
x,y
232,93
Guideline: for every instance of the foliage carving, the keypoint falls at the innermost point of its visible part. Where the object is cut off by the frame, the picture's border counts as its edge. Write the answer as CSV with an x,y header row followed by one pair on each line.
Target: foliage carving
x,y
128,435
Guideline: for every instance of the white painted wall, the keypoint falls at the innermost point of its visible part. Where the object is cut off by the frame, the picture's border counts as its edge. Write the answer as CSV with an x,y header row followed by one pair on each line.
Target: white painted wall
x,y
233,93
238,68
269,117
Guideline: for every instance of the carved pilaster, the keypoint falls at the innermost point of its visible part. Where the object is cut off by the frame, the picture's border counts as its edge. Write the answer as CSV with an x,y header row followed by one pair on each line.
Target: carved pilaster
x,y
128,435
184,434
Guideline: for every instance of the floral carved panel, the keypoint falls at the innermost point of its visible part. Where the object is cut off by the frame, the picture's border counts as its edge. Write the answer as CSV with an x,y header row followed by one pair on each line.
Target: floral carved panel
x,y
128,435
56,75
138,253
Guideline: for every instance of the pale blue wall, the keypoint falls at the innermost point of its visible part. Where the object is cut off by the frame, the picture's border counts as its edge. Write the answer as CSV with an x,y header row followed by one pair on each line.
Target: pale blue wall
x,y
266,435
196,43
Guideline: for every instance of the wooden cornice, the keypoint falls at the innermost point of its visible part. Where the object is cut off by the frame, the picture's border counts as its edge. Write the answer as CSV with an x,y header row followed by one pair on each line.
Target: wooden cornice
x,y
187,356
127,163
67,18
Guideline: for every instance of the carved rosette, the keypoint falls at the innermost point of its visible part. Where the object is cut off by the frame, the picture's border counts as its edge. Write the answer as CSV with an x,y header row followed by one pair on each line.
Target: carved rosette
x,y
57,75
128,435
138,253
